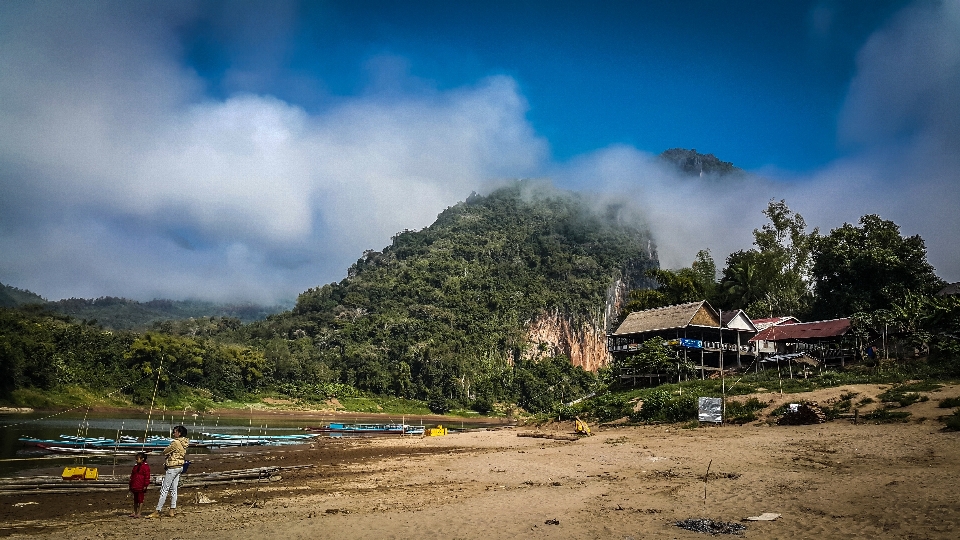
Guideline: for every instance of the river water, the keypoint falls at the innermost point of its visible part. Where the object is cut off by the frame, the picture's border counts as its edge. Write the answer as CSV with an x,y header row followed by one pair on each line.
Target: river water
x,y
17,458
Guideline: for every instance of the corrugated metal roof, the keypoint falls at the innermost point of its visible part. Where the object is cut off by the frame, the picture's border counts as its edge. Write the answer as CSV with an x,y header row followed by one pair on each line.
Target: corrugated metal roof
x,y
810,330
665,318
763,324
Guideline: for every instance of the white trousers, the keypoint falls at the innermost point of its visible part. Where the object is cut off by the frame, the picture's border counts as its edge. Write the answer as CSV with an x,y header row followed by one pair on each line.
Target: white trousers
x,y
171,479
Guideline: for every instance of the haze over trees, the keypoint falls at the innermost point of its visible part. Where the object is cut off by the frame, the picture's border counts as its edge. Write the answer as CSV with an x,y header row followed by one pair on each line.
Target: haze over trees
x,y
441,314
438,315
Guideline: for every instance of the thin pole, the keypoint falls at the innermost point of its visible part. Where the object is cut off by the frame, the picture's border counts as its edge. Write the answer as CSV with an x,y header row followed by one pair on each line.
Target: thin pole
x,y
723,380
779,376
116,444
150,414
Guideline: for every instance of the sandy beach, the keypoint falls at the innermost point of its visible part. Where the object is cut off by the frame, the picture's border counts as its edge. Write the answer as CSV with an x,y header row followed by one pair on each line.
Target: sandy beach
x,y
833,480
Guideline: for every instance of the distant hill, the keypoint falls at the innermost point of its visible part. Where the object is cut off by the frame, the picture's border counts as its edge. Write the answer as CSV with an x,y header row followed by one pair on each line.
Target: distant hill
x,y
125,314
13,297
694,163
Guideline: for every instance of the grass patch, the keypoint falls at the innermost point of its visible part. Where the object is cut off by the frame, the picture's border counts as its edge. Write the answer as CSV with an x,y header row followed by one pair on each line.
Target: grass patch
x,y
905,394
842,406
952,422
737,412
65,397
949,403
886,416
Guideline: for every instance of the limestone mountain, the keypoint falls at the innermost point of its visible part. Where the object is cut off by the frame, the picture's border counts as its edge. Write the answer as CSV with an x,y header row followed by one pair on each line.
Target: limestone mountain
x,y
526,272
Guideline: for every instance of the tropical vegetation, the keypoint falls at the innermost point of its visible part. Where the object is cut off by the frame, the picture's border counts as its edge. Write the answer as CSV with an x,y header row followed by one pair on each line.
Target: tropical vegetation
x,y
438,318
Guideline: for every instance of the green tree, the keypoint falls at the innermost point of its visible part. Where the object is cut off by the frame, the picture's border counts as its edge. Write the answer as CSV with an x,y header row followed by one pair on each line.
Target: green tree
x,y
181,359
773,278
655,356
869,267
745,280
692,284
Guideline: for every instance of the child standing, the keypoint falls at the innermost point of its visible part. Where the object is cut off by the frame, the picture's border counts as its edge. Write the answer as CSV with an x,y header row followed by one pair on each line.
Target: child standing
x,y
139,480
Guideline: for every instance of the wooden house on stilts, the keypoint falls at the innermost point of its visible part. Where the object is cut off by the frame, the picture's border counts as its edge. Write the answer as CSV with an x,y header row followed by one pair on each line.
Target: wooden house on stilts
x,y
699,334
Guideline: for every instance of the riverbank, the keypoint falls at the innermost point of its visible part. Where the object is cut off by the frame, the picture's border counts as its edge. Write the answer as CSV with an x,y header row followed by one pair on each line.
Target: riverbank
x,y
833,480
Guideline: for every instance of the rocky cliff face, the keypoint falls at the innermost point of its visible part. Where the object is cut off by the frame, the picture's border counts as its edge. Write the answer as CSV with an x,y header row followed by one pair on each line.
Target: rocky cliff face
x,y
554,334
585,343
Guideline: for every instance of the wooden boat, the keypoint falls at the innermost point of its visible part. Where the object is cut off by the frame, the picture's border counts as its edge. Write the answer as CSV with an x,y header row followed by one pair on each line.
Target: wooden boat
x,y
92,451
367,429
153,443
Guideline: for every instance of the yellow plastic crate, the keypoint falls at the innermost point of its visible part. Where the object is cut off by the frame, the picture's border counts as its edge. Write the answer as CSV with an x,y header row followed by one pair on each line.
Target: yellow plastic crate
x,y
74,473
438,431
80,473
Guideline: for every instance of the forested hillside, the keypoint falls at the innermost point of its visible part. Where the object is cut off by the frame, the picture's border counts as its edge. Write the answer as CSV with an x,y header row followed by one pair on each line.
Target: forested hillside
x,y
13,297
444,311
126,314
440,314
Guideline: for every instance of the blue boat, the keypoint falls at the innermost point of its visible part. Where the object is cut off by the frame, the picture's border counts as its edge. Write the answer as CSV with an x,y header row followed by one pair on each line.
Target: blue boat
x,y
368,429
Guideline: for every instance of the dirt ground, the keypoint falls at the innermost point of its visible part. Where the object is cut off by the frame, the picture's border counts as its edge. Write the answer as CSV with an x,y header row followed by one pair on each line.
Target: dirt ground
x,y
833,480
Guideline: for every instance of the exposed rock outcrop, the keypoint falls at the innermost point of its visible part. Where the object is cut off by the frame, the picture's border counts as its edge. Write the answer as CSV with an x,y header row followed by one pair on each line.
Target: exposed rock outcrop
x,y
585,342
554,334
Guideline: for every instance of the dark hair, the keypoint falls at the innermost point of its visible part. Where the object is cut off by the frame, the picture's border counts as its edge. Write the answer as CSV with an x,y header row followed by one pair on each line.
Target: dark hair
x,y
142,455
182,430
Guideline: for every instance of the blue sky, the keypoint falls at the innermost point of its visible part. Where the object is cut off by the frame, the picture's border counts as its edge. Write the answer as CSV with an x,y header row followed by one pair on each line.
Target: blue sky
x,y
758,83
245,150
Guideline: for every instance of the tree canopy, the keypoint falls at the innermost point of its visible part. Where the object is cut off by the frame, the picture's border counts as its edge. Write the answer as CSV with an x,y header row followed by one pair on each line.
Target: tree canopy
x,y
867,267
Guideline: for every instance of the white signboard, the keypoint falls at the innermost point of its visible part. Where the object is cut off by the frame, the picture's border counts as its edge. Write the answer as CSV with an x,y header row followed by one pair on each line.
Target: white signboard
x,y
711,410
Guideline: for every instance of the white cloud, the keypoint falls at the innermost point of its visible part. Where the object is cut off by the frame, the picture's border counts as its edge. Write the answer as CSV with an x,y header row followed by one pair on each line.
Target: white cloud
x,y
121,178
155,191
902,119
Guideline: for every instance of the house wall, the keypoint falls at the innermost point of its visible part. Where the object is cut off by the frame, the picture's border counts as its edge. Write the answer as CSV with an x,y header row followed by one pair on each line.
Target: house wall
x,y
704,318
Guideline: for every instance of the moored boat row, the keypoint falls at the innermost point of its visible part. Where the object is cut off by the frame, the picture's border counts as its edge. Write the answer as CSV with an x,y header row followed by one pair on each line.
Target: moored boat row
x,y
367,429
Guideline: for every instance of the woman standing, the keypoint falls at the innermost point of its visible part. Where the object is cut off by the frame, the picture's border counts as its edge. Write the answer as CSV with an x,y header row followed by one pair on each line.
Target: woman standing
x,y
173,466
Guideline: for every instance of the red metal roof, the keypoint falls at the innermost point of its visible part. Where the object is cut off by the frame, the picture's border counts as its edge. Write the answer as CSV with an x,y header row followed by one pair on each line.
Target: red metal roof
x,y
810,330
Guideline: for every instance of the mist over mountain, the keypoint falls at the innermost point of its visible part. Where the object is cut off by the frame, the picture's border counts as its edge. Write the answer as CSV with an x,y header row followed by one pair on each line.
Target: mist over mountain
x,y
449,308
692,162
126,314
12,297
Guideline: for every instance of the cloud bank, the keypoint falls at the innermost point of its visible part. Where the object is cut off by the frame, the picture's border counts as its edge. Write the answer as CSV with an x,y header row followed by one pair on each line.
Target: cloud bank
x,y
122,179
900,122
121,176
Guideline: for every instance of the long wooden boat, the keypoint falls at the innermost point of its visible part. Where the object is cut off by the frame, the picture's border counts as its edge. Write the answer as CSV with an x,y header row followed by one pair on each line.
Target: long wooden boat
x,y
367,429
93,451
153,443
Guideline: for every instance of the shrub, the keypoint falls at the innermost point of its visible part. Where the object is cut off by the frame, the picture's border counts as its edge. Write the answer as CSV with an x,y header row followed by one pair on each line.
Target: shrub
x,y
681,409
949,403
886,416
440,405
741,413
652,406
953,421
482,405
608,407
660,406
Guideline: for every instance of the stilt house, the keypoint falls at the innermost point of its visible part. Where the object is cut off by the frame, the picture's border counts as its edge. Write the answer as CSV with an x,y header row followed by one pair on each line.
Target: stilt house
x,y
694,330
827,341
